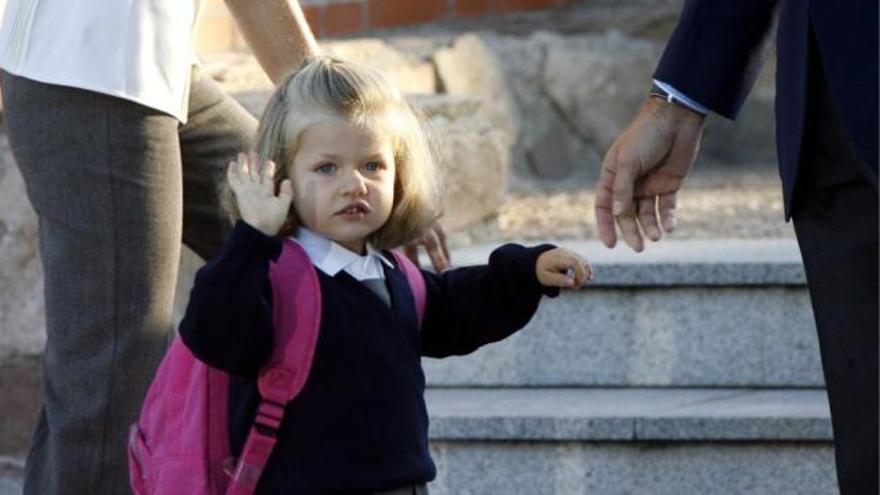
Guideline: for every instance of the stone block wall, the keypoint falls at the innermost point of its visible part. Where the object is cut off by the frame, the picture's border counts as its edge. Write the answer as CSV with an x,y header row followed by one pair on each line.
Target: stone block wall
x,y
329,18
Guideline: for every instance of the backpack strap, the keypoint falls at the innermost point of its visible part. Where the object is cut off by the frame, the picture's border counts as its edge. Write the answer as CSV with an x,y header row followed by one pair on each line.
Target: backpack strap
x,y
296,308
416,282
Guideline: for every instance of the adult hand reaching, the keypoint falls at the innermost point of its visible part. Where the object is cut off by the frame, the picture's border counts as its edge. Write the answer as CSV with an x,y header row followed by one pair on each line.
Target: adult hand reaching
x,y
643,171
434,242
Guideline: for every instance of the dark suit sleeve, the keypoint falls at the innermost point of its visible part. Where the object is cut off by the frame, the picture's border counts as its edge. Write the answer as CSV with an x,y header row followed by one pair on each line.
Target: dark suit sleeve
x,y
228,321
716,51
473,306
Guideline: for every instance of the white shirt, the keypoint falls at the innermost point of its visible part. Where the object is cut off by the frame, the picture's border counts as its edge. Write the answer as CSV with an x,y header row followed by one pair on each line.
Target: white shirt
x,y
331,258
139,50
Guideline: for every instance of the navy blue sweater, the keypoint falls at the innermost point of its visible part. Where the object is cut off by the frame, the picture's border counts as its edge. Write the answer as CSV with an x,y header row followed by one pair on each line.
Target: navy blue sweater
x,y
360,424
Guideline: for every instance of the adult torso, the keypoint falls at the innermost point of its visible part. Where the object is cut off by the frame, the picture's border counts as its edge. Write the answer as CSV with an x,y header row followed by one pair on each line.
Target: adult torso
x,y
139,50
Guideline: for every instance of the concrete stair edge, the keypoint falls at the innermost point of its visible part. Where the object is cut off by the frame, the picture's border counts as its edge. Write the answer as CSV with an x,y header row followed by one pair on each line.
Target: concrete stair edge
x,y
709,262
629,415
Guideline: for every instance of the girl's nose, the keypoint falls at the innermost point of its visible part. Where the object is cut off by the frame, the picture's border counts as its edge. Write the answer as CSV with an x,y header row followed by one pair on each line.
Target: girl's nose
x,y
355,185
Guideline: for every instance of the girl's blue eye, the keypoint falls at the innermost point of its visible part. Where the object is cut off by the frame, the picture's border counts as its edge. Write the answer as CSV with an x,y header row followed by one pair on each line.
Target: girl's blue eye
x,y
326,168
372,166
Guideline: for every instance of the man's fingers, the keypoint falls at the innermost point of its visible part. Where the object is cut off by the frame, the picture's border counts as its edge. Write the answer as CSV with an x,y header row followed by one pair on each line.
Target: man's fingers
x,y
605,225
441,238
629,229
602,208
434,241
678,163
622,189
648,217
412,252
666,206
435,252
612,211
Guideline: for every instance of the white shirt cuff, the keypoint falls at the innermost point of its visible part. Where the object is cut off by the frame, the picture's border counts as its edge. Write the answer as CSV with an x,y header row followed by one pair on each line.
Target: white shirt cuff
x,y
683,98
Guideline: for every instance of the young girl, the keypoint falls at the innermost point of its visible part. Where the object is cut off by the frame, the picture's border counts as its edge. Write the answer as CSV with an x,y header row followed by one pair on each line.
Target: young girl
x,y
354,177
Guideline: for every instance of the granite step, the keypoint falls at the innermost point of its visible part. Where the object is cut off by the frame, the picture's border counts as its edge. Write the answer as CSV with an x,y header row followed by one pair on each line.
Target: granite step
x,y
729,313
11,475
535,441
685,313
631,441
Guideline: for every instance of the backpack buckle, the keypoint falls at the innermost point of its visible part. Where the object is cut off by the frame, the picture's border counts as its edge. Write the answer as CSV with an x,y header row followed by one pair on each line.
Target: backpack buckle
x,y
268,418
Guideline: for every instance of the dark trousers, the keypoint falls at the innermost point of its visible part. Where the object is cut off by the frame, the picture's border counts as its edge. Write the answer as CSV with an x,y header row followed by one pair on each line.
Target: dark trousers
x,y
407,490
116,187
836,221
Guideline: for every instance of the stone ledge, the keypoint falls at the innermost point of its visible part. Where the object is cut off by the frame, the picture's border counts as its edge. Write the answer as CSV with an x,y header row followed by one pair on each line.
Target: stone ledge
x,y
715,262
668,336
630,415
614,468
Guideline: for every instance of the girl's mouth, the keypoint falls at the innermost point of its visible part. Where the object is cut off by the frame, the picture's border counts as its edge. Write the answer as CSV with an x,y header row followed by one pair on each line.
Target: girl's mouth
x,y
354,210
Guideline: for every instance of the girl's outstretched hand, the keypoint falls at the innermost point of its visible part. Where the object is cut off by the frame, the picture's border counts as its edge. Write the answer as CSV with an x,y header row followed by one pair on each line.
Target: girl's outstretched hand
x,y
560,267
254,189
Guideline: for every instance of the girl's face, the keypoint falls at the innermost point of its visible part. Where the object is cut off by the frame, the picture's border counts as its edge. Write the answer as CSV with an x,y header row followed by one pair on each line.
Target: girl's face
x,y
343,181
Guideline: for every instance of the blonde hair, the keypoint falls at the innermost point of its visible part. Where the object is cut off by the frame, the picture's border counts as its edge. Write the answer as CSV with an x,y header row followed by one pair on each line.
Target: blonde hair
x,y
325,88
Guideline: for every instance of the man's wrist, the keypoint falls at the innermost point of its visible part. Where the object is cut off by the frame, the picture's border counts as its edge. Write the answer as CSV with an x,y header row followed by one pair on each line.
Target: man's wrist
x,y
661,108
670,95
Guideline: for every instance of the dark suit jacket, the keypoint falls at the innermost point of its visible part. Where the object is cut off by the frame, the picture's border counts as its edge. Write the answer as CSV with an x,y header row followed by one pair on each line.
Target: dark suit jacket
x,y
716,51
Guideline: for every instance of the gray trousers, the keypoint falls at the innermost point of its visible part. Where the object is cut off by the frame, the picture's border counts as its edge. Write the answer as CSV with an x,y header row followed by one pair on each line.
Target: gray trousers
x,y
117,187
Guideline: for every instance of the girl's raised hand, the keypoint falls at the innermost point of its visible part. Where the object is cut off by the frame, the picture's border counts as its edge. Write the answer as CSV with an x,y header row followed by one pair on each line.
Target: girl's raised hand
x,y
560,267
254,189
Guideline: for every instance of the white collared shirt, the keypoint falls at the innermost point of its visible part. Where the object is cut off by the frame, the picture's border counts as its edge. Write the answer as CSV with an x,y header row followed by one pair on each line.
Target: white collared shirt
x,y
138,50
331,258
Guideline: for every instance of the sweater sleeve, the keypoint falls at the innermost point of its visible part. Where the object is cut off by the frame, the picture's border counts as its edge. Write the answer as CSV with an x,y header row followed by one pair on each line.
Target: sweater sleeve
x,y
228,321
472,306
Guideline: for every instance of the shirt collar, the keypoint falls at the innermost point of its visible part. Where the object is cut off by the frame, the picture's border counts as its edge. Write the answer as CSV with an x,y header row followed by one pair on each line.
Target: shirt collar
x,y
331,258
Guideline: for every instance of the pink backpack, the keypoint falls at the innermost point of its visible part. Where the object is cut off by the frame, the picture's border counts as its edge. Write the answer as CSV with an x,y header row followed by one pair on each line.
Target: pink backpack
x,y
180,444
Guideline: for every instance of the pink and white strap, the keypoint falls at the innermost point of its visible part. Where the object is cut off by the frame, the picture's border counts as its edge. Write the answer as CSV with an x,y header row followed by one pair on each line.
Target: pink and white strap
x,y
294,285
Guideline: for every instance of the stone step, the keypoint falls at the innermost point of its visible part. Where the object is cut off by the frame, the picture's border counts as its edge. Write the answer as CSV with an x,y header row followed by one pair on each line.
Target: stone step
x,y
11,475
629,414
631,441
731,313
620,441
683,313
688,262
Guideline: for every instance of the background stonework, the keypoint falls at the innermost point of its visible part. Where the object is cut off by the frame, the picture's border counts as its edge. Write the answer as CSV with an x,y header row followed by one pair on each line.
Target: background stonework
x,y
521,113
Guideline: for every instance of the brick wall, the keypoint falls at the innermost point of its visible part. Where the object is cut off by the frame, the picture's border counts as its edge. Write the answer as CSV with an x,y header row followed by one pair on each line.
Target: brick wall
x,y
217,31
